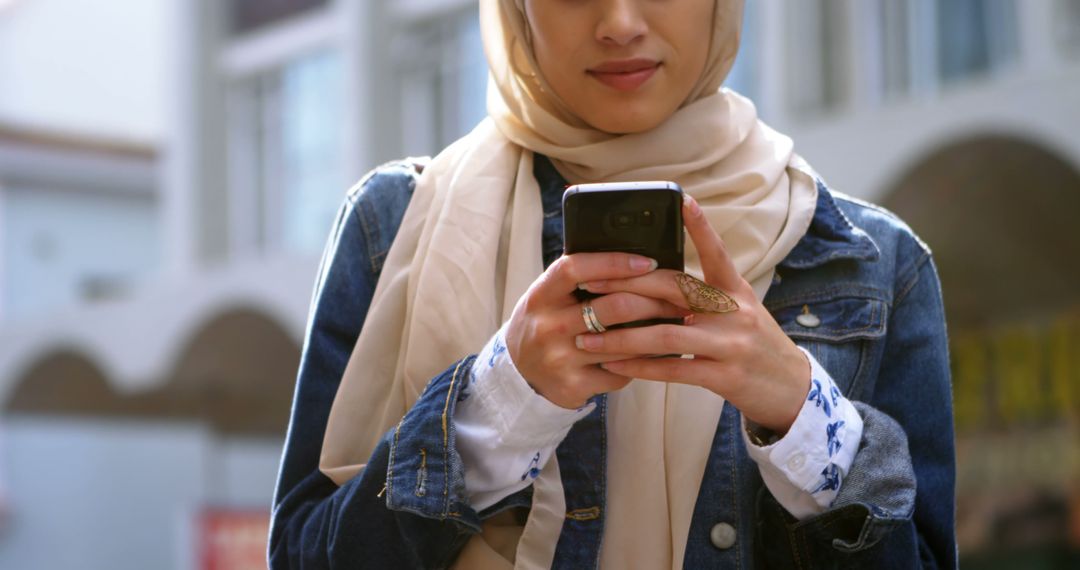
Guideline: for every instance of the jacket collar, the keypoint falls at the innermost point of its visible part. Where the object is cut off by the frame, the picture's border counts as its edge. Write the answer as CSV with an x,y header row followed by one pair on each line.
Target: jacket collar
x,y
831,235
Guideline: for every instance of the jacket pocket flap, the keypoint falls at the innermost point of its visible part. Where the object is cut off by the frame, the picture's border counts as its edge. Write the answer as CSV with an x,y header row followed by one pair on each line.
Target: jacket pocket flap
x,y
832,318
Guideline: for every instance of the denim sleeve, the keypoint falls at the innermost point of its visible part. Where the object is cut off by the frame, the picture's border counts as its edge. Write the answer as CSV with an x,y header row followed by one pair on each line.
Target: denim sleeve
x,y
402,510
896,508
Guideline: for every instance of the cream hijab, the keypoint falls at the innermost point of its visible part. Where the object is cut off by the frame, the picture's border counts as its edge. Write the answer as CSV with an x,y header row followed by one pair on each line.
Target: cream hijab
x,y
469,247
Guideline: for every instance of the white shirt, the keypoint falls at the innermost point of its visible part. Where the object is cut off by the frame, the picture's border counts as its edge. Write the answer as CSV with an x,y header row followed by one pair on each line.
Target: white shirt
x,y
506,433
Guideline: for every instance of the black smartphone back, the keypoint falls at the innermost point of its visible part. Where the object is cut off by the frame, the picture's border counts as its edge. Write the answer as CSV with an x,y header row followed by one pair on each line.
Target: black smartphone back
x,y
644,218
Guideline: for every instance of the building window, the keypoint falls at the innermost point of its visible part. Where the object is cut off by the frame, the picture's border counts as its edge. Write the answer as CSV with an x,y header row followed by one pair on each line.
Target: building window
x,y
65,246
1067,22
975,36
286,142
248,15
312,144
744,75
896,46
442,78
817,48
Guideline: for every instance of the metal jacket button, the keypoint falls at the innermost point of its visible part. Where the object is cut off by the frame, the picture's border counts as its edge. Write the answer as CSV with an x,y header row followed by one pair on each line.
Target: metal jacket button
x,y
808,319
722,536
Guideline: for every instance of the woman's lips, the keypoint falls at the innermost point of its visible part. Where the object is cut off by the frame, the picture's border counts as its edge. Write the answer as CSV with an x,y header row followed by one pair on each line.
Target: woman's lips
x,y
625,75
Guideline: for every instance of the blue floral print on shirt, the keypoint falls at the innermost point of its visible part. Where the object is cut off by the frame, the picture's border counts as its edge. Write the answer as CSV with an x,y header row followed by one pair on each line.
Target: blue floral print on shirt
x,y
534,468
831,479
496,349
832,441
817,395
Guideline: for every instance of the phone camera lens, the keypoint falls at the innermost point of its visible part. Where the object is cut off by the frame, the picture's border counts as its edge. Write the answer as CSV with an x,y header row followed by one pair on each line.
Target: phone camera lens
x,y
623,220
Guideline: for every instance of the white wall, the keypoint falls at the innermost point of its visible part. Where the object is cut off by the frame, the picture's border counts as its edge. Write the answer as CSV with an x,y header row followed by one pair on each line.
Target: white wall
x,y
865,154
98,495
245,471
117,495
96,67
54,241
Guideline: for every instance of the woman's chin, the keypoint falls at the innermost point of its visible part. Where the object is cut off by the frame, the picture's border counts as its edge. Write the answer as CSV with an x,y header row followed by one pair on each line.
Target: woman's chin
x,y
622,121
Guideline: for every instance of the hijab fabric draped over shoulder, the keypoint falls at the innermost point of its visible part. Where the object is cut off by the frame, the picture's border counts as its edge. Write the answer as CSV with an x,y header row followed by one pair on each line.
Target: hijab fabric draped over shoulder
x,y
469,247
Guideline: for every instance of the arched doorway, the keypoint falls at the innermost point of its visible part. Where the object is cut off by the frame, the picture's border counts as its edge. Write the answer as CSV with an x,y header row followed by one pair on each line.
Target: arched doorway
x,y
133,476
235,373
999,213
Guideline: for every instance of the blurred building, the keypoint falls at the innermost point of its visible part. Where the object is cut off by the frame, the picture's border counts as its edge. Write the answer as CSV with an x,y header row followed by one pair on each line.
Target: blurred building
x,y
169,170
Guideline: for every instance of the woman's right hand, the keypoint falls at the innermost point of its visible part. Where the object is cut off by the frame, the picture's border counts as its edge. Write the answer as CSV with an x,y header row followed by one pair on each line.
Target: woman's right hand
x,y
540,334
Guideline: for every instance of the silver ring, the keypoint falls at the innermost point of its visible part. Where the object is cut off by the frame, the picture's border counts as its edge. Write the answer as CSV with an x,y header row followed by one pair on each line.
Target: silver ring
x,y
589,316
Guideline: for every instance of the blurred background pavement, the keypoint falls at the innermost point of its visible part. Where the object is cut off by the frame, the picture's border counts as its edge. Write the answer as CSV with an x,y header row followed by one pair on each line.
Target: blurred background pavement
x,y
170,169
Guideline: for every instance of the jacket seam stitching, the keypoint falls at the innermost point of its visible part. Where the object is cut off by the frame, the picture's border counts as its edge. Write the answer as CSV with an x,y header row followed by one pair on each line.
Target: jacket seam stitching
x,y
805,546
794,542
446,436
831,339
371,230
830,294
913,265
734,480
874,310
421,475
358,197
838,195
390,464
859,253
885,212
864,350
857,380
876,323
603,480
371,234
910,283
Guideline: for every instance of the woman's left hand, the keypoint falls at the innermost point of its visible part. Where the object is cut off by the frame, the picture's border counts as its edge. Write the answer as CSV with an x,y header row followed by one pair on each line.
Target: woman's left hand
x,y
742,355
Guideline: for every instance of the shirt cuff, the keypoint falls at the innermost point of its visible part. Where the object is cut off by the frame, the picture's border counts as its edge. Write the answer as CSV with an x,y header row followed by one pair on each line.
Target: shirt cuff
x,y
805,468
506,432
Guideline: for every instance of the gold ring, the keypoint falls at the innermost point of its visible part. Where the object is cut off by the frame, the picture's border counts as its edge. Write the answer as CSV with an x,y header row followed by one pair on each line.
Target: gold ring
x,y
704,298
589,316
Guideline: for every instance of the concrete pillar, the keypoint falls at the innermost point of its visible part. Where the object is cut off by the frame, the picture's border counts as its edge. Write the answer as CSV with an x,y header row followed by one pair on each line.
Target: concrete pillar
x,y
179,148
1035,26
362,66
773,62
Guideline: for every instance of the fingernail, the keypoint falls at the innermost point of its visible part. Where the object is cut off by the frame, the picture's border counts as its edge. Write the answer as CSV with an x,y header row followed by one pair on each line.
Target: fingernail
x,y
692,204
588,341
643,263
593,286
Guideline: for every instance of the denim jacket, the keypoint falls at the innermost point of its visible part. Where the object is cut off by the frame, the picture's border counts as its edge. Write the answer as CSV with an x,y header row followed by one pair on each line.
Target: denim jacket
x,y
880,333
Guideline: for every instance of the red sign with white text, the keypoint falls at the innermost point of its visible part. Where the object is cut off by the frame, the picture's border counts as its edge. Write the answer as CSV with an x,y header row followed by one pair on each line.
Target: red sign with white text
x,y
233,539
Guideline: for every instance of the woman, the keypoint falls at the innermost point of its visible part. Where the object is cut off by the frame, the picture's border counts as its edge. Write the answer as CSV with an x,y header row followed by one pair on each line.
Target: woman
x,y
812,427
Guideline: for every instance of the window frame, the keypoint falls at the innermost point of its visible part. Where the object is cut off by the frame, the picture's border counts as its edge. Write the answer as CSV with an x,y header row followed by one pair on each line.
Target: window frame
x,y
251,65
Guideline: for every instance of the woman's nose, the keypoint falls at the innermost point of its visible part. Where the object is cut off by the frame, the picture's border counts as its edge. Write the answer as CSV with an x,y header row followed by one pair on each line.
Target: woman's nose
x,y
621,22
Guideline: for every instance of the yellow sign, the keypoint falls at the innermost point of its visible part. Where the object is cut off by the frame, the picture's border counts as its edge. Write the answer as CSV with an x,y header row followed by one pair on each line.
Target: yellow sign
x,y
1019,375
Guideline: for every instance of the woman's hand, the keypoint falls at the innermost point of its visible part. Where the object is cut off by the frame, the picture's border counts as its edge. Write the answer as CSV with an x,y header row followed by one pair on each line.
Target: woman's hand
x,y
541,332
743,355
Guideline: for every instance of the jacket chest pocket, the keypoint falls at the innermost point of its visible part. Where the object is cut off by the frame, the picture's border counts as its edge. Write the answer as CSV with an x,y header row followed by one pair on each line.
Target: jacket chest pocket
x,y
836,328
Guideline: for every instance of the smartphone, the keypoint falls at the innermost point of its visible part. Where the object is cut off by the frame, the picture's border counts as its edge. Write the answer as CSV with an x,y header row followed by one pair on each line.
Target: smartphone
x,y
644,218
